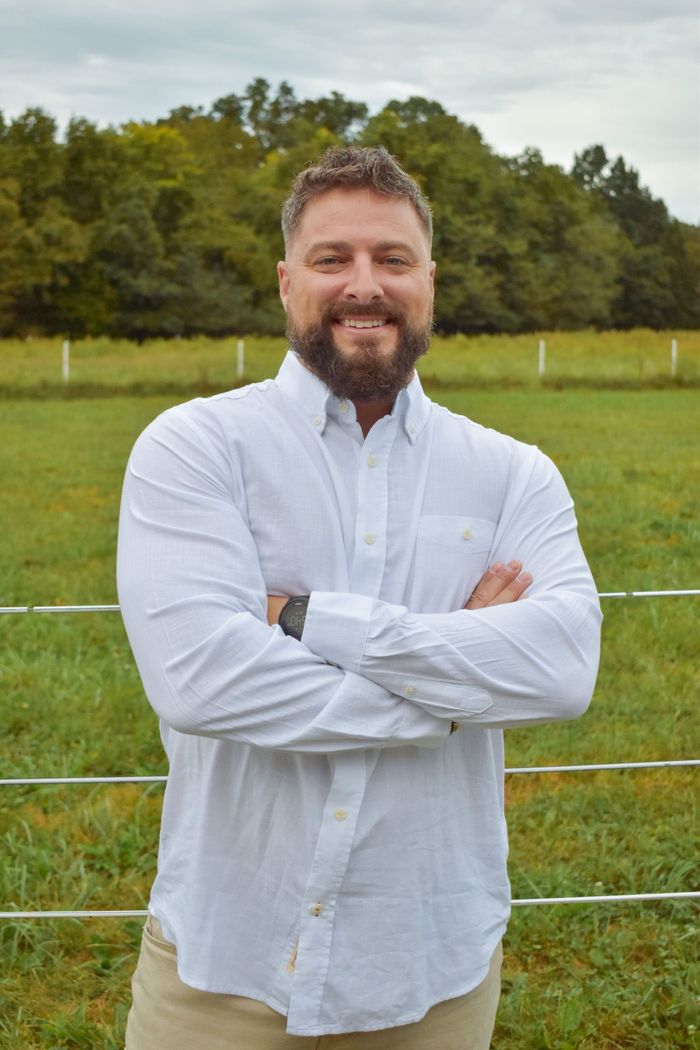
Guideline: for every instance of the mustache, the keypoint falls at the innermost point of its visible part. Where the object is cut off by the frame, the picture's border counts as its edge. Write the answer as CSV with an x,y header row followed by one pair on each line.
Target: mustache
x,y
378,311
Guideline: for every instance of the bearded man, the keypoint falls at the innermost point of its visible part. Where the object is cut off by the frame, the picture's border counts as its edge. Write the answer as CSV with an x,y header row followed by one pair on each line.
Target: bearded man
x,y
320,576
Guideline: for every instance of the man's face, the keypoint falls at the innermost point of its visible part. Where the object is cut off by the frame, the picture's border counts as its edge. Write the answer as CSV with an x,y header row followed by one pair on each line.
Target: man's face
x,y
357,287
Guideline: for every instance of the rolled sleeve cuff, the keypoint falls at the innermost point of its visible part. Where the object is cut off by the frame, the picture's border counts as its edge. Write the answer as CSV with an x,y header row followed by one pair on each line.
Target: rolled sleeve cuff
x,y
336,627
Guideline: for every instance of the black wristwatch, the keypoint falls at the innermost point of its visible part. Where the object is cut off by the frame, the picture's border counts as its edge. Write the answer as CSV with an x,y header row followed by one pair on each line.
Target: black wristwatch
x,y
293,616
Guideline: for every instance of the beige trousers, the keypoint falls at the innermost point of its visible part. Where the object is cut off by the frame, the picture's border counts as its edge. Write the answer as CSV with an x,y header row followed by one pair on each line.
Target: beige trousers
x,y
169,1015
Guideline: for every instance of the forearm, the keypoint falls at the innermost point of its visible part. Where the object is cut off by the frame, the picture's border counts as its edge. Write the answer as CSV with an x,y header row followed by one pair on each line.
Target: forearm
x,y
518,664
241,680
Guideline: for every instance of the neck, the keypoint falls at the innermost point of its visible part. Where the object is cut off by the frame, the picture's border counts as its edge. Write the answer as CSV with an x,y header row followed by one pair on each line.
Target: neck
x,y
368,412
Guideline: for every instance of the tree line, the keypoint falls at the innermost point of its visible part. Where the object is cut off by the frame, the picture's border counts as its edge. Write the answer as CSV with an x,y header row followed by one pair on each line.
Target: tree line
x,y
172,227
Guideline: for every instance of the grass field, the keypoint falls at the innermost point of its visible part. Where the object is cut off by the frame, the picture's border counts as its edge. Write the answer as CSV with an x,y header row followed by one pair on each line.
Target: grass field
x,y
578,976
628,360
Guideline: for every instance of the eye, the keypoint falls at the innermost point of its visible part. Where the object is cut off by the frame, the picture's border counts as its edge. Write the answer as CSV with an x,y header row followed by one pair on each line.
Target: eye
x,y
394,260
327,261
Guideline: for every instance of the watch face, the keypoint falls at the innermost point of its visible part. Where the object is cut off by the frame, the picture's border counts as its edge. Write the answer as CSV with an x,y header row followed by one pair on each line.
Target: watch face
x,y
293,616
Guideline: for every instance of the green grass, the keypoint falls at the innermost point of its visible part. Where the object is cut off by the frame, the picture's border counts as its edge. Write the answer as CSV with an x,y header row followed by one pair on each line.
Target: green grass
x,y
578,976
626,360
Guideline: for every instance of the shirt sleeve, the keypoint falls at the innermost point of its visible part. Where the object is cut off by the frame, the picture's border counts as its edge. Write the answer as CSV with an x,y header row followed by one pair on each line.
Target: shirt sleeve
x,y
194,604
527,662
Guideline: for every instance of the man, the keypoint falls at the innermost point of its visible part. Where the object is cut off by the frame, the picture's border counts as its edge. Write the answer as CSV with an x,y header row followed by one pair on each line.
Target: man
x,y
332,867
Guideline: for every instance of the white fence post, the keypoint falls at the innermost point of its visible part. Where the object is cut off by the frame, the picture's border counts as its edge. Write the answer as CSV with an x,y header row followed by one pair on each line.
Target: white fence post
x,y
241,358
65,361
674,358
542,358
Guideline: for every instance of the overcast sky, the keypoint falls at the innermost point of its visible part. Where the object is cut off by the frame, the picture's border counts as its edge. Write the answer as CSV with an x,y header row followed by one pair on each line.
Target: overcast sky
x,y
556,74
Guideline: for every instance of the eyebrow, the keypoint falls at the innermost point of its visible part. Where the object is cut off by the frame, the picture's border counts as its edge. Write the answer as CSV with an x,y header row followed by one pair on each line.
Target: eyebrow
x,y
346,247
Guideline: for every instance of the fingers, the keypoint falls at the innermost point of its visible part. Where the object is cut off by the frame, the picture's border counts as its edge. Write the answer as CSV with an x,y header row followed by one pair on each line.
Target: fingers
x,y
513,590
500,585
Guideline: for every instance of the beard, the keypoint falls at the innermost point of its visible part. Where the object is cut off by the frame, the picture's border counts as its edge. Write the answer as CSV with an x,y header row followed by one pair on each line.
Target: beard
x,y
365,373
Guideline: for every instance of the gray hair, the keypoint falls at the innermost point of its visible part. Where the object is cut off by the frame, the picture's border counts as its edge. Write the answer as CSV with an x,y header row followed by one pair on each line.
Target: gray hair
x,y
353,167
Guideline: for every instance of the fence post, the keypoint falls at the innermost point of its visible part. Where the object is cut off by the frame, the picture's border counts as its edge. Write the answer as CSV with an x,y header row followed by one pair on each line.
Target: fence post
x,y
674,358
241,358
541,358
65,361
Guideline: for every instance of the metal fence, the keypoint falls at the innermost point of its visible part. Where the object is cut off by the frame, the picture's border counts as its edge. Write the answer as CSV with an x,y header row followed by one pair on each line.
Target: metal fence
x,y
516,902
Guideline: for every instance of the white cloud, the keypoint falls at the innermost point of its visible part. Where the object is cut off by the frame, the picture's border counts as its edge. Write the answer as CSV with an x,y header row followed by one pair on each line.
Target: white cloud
x,y
557,74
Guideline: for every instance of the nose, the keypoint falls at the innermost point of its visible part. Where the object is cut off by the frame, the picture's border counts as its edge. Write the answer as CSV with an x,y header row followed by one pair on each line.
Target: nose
x,y
363,281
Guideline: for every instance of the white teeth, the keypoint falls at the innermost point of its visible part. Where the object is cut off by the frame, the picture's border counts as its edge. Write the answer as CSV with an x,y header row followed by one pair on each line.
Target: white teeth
x,y
350,323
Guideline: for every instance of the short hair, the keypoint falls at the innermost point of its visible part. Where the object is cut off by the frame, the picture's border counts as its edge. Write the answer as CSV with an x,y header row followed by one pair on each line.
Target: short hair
x,y
353,167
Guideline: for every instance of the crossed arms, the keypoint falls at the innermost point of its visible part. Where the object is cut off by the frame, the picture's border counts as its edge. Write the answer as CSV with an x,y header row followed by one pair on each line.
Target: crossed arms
x,y
367,673
499,585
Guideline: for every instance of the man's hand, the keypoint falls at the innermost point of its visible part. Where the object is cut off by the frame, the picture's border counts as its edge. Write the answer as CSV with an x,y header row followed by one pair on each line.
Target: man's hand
x,y
500,585
275,604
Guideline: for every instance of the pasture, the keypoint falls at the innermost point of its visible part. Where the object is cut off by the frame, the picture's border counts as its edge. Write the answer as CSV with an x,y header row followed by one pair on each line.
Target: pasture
x,y
625,437
98,367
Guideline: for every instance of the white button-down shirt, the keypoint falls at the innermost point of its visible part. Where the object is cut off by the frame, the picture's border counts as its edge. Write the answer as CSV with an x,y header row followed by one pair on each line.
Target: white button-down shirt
x,y
327,846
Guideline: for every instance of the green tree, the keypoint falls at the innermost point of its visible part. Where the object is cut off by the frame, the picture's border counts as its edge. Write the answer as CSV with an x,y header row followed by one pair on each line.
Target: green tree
x,y
33,157
563,263
654,287
91,163
172,227
12,227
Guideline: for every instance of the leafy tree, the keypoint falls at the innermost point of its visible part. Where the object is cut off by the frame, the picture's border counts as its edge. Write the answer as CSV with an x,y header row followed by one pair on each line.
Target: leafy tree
x,y
46,252
40,240
31,155
565,277
91,163
172,227
12,227
654,285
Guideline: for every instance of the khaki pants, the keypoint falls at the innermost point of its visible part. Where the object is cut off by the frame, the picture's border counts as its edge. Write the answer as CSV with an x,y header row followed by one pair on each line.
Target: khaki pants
x,y
169,1015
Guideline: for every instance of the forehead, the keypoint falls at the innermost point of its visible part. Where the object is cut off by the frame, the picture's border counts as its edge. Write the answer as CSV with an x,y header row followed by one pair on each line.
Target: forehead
x,y
359,216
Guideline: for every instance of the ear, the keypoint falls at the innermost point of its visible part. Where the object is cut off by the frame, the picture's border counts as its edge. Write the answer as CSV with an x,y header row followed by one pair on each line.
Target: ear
x,y
431,274
283,278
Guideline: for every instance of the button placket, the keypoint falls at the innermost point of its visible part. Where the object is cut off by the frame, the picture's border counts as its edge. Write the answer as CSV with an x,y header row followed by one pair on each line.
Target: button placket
x,y
325,879
369,562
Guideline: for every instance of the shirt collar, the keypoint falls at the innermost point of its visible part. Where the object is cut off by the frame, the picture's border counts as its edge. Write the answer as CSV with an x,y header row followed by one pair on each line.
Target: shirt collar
x,y
411,407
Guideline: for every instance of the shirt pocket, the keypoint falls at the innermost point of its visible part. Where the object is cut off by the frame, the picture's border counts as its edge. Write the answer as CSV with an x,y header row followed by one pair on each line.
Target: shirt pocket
x,y
452,553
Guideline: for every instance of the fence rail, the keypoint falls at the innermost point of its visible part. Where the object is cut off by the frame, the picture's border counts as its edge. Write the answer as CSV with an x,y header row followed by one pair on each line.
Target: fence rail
x,y
115,608
141,913
162,778
516,902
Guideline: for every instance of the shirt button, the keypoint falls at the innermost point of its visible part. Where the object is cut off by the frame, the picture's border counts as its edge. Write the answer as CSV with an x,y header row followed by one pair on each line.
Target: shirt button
x,y
370,538
344,406
316,908
341,814
371,460
317,421
410,690
411,428
467,534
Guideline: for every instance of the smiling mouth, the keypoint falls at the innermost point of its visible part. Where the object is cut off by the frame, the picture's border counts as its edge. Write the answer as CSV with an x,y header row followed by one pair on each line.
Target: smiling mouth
x,y
355,322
